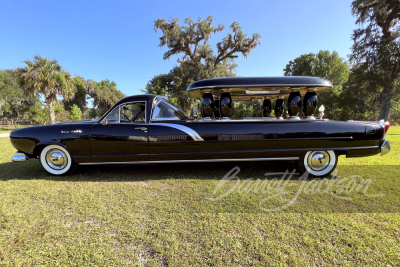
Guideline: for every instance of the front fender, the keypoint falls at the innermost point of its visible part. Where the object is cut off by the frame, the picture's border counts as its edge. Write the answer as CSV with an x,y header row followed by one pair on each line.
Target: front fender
x,y
26,145
73,137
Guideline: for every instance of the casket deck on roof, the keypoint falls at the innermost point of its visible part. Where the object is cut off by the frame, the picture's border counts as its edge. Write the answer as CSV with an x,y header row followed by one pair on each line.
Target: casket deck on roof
x,y
248,88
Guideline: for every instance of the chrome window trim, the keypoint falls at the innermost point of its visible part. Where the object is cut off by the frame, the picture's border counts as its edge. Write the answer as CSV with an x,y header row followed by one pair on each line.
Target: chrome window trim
x,y
119,113
155,109
156,101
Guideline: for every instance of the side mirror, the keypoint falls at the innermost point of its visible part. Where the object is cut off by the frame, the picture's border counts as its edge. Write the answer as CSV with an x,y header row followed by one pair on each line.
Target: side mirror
x,y
105,122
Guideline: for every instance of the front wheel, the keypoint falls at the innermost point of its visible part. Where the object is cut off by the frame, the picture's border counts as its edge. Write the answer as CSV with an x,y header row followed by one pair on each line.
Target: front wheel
x,y
56,160
318,163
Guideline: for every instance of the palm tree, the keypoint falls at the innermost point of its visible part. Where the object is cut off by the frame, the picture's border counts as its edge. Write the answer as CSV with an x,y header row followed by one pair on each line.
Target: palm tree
x,y
44,76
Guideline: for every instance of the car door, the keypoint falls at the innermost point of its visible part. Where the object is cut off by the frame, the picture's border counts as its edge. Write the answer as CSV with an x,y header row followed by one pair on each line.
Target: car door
x,y
169,139
206,140
122,136
173,137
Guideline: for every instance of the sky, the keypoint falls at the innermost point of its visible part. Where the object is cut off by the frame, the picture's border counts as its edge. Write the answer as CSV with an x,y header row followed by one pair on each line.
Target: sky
x,y
116,40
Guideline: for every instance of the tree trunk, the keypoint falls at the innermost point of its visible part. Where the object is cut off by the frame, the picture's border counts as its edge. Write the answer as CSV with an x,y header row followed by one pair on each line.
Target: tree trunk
x,y
51,111
386,97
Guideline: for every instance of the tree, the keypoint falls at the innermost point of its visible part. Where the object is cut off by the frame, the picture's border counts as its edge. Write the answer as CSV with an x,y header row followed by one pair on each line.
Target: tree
x,y
39,114
46,77
175,83
192,41
363,93
75,113
13,103
377,43
325,65
80,95
249,109
198,60
93,113
104,93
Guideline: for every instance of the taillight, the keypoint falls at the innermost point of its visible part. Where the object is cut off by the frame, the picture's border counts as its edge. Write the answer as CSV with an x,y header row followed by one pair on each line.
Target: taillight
x,y
387,125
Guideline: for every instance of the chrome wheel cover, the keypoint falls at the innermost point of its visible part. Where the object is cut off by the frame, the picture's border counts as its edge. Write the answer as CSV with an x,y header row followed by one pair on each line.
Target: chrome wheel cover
x,y
318,160
56,159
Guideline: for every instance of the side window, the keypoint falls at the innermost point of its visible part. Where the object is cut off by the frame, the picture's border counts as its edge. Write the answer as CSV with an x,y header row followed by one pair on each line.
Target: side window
x,y
133,112
113,116
165,111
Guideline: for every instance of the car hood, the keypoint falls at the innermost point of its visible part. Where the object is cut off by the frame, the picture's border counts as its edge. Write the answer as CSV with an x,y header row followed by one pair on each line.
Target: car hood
x,y
57,127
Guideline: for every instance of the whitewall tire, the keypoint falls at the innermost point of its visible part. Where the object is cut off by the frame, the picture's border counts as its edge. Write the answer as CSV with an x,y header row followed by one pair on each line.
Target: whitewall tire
x,y
318,163
56,160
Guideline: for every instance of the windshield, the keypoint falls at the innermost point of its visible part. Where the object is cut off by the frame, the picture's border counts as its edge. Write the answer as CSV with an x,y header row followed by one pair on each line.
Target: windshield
x,y
166,111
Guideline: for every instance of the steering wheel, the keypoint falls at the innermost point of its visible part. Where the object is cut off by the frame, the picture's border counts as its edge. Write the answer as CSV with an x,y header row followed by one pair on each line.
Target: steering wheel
x,y
126,117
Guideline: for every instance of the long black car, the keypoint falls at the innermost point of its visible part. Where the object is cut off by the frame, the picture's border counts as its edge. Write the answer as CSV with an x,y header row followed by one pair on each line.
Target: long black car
x,y
149,129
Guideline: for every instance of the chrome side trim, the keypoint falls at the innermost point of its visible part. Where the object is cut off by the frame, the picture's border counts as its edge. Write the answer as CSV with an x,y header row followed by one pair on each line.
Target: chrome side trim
x,y
187,161
290,139
19,157
385,147
189,131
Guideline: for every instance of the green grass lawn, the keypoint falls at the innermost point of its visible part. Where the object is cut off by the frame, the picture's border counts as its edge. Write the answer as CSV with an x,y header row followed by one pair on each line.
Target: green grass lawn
x,y
162,215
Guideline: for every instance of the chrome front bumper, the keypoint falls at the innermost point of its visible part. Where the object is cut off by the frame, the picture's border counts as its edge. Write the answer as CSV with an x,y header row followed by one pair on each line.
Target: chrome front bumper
x,y
19,157
385,147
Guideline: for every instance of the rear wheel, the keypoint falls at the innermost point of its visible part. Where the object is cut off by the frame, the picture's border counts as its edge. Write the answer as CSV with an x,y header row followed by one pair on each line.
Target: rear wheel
x,y
56,160
318,163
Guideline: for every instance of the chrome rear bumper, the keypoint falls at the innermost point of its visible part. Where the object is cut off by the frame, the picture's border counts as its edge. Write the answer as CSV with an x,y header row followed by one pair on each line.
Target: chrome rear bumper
x,y
19,157
385,147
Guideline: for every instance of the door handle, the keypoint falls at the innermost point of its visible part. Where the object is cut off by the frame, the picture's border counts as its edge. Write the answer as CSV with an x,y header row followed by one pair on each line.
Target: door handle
x,y
141,128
